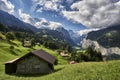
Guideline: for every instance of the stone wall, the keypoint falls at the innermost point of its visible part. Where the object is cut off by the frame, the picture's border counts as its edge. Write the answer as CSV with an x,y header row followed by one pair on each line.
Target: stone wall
x,y
33,65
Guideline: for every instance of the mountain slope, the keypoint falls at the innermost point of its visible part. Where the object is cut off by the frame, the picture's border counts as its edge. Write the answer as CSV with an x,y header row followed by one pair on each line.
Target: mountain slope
x,y
76,37
61,36
108,37
66,36
13,22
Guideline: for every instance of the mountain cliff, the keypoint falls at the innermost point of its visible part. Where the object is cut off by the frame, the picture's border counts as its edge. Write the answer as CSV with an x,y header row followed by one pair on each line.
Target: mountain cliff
x,y
108,37
106,40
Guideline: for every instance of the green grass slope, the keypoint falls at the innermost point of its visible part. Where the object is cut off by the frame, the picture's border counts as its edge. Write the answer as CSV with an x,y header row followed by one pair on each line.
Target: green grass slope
x,y
82,71
6,53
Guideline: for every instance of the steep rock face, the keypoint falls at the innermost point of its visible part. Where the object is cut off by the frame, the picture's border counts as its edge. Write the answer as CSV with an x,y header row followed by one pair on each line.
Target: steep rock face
x,y
106,40
109,52
107,37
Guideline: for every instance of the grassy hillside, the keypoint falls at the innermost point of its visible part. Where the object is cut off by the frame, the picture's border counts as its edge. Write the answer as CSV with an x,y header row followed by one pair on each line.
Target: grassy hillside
x,y
6,53
81,71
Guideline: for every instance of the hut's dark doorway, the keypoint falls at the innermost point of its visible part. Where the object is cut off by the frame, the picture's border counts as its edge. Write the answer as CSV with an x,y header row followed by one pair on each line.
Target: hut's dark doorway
x,y
10,68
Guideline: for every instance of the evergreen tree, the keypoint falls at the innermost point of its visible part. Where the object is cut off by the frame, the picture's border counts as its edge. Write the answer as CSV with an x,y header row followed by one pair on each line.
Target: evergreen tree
x,y
33,42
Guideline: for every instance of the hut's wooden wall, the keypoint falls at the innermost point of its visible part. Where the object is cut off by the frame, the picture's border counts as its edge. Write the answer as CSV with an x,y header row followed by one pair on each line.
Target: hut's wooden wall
x,y
33,65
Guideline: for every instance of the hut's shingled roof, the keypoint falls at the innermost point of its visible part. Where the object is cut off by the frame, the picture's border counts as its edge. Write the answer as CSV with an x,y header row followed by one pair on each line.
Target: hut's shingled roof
x,y
45,56
40,54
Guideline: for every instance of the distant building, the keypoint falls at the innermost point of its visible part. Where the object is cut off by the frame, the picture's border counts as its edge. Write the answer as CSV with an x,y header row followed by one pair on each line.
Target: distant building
x,y
36,62
64,55
72,62
27,43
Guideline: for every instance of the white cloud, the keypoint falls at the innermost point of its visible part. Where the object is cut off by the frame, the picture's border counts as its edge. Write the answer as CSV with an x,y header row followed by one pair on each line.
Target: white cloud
x,y
50,5
85,31
117,5
7,6
54,5
43,23
94,13
25,17
39,23
54,25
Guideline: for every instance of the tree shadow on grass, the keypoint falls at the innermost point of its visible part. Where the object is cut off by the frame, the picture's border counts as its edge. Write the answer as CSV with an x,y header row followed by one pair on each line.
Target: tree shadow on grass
x,y
29,75
59,69
12,43
13,52
19,50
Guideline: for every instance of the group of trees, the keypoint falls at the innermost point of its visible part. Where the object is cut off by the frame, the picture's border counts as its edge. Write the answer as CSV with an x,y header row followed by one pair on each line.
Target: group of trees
x,y
10,36
3,28
89,55
30,39
57,45
51,42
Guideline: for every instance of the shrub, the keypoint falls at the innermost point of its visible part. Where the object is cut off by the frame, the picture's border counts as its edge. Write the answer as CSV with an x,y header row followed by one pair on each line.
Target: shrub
x,y
2,36
10,36
89,55
94,55
11,47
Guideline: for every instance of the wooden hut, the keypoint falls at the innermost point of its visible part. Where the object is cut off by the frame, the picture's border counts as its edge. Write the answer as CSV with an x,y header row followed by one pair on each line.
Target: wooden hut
x,y
36,62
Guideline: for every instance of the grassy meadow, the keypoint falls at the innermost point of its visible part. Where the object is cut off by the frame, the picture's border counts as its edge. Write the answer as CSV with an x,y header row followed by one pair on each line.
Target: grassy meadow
x,y
109,70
